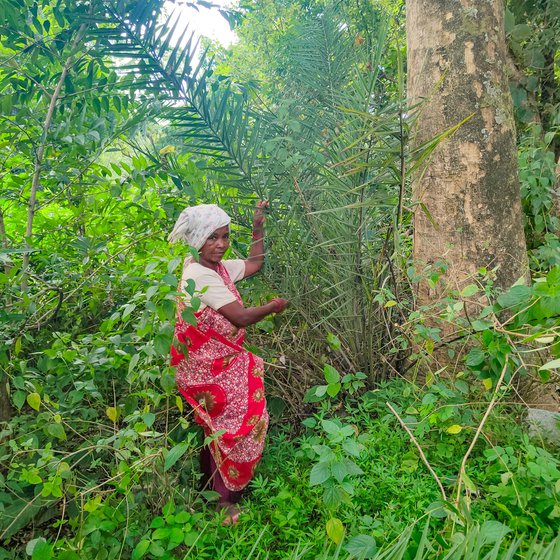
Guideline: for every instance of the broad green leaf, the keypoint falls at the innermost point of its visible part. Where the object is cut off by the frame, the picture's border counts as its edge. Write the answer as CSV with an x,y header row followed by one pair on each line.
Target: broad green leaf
x,y
352,447
335,530
331,374
174,454
521,32
469,290
133,362
475,357
18,399
493,531
333,496
333,389
333,341
140,549
40,549
34,400
179,403
168,383
149,419
162,340
361,547
330,427
319,473
515,296
352,468
189,316
481,325
339,470
320,390
554,364
57,431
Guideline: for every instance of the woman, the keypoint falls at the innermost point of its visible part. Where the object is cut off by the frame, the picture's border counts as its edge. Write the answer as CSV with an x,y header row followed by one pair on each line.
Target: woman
x,y
221,380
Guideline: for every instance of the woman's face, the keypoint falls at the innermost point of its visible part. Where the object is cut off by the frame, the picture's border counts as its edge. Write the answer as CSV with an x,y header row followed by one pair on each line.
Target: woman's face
x,y
216,245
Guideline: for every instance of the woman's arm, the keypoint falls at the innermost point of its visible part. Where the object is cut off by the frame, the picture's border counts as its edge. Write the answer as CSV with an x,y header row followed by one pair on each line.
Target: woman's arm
x,y
256,255
242,317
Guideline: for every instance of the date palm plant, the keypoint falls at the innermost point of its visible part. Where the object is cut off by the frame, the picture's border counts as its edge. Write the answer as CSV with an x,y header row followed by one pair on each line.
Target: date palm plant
x,y
328,155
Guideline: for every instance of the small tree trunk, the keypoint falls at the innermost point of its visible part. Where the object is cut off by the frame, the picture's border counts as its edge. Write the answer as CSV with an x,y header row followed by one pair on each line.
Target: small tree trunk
x,y
469,206
5,406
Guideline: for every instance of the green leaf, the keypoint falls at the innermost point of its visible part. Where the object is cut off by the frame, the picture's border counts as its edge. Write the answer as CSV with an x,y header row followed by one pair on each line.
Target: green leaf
x,y
168,383
311,395
333,389
515,296
140,549
320,390
18,399
174,454
34,400
333,341
469,290
148,418
162,341
339,470
480,325
39,549
335,530
455,429
521,32
330,427
333,496
57,431
475,357
361,547
319,473
331,374
554,364
189,316
351,447
493,531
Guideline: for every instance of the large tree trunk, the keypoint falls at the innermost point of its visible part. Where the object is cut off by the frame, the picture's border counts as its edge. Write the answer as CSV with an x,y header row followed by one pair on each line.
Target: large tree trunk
x,y
471,213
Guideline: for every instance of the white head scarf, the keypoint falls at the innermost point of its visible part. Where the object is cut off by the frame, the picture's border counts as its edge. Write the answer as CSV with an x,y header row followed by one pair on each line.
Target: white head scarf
x,y
197,223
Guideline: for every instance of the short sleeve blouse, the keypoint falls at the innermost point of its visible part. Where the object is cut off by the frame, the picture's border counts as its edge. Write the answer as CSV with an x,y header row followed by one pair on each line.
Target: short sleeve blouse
x,y
216,294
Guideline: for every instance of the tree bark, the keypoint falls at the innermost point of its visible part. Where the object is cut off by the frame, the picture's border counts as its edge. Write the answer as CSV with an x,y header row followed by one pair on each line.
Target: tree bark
x,y
468,204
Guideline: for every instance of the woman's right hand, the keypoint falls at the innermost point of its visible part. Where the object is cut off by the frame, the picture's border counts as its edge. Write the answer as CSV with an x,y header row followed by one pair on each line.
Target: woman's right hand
x,y
279,304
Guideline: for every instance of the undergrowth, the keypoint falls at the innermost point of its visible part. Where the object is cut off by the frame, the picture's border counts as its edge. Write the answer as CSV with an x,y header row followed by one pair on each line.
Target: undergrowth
x,y
375,490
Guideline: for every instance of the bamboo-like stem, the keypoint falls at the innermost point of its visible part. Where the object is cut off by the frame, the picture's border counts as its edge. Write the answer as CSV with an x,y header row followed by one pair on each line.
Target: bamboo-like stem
x,y
415,441
491,405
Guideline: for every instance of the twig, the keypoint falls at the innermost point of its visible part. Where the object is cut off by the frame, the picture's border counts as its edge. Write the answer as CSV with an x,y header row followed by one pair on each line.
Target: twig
x,y
491,405
411,435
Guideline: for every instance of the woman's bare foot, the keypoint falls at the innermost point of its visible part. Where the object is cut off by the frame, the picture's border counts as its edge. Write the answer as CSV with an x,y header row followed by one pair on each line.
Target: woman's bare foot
x,y
232,513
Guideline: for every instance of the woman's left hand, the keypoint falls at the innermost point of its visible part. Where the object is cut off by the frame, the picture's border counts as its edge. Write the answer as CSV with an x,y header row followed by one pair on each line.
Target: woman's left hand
x,y
259,216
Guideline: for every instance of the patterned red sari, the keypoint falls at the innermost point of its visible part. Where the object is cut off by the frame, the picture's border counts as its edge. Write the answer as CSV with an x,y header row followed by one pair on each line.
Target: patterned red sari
x,y
223,383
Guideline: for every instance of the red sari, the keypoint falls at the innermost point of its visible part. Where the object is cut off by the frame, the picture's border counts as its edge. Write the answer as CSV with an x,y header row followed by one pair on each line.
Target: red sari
x,y
223,383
